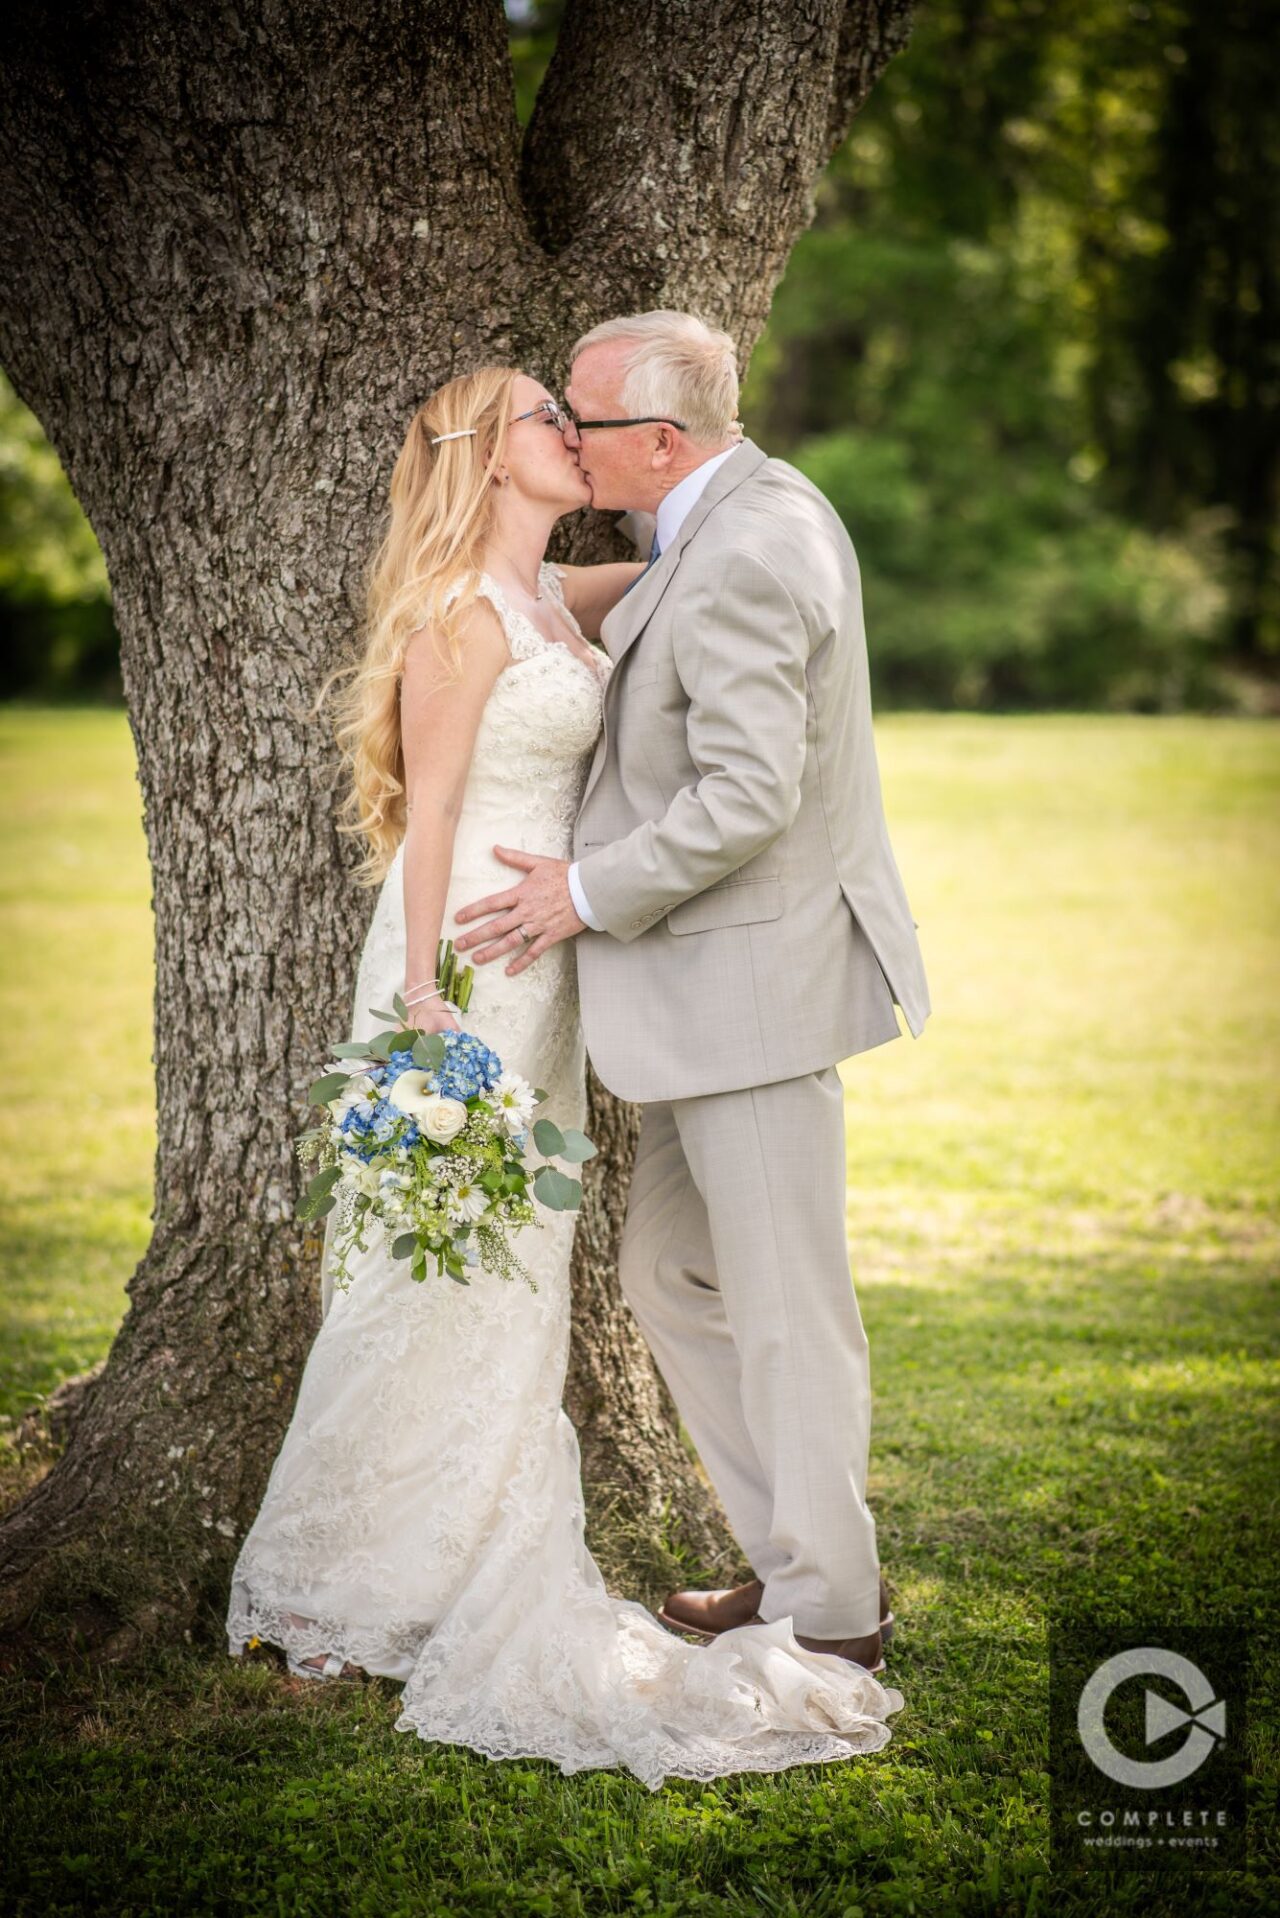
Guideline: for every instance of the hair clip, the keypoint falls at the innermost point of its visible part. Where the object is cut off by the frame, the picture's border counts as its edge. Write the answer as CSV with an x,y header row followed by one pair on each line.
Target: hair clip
x,y
463,433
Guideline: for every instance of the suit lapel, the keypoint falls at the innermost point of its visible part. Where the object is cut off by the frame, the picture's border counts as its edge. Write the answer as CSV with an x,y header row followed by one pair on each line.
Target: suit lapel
x,y
635,609
624,625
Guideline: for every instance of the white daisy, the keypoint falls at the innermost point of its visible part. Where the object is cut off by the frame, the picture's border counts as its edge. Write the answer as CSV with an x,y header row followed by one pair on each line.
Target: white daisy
x,y
467,1201
513,1097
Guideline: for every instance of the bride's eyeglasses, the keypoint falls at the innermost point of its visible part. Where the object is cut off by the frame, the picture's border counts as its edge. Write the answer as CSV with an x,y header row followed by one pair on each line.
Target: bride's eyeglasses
x,y
547,411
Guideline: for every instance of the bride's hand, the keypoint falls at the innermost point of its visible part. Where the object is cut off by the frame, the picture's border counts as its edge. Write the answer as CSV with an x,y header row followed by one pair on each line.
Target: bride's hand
x,y
432,1015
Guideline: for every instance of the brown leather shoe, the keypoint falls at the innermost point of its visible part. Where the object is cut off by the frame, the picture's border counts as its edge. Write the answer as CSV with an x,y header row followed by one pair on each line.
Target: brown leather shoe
x,y
867,1652
705,1615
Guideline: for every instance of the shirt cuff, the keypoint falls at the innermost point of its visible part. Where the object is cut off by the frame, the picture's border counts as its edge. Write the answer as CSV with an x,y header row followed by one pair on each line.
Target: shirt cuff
x,y
579,898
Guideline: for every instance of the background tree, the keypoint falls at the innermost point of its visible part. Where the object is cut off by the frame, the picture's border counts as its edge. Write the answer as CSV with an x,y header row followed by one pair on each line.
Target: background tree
x,y
238,248
1029,349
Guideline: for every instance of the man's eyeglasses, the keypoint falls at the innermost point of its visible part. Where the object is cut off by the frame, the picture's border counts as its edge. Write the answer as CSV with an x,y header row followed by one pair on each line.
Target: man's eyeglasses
x,y
562,417
648,419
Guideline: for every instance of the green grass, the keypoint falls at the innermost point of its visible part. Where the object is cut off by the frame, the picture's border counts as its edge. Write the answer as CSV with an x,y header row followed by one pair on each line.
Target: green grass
x,y
76,950
1064,1228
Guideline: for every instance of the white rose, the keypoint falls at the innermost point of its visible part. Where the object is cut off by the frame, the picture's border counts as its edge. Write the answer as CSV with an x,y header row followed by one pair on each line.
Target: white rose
x,y
444,1120
438,1118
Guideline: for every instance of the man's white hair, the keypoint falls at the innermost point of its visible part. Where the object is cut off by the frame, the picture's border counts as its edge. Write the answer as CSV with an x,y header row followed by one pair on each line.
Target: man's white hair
x,y
679,368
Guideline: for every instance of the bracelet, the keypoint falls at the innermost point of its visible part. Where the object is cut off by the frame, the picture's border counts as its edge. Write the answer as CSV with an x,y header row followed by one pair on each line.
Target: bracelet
x,y
418,998
418,988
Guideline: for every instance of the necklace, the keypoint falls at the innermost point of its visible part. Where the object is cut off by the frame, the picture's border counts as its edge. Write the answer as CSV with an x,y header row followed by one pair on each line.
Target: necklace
x,y
537,590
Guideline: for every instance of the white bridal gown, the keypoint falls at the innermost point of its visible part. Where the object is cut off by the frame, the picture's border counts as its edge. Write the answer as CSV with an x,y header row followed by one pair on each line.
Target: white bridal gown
x,y
425,1509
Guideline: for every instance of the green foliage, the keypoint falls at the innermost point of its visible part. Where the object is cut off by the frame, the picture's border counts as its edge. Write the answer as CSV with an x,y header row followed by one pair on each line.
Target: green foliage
x,y
1013,589
955,357
56,631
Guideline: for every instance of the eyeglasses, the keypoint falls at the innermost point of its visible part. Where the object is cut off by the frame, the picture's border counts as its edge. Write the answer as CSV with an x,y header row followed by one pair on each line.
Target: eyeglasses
x,y
547,411
649,419
562,417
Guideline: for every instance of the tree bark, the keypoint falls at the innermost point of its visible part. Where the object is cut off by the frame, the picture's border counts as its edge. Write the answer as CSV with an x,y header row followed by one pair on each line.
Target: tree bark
x,y
239,244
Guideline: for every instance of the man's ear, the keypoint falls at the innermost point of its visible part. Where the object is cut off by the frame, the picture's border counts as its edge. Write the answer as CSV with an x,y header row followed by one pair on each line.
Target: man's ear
x,y
664,449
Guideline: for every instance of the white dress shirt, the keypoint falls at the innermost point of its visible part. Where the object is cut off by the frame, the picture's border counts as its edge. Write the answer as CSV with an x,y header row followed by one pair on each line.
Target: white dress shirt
x,y
673,509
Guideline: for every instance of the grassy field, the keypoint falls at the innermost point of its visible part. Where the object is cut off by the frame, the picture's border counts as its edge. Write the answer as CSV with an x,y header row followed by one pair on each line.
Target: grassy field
x,y
1064,1226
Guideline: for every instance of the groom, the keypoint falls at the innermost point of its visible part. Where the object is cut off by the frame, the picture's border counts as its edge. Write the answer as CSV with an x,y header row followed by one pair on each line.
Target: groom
x,y
741,927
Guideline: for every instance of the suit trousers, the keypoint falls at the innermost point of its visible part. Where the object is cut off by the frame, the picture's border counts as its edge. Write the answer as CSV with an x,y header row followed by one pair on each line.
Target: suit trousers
x,y
735,1264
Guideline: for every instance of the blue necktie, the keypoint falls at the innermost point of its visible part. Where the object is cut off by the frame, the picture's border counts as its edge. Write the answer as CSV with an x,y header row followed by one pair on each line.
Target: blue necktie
x,y
655,553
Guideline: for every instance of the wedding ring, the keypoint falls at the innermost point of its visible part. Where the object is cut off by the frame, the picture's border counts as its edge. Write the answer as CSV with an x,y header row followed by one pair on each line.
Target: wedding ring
x,y
526,935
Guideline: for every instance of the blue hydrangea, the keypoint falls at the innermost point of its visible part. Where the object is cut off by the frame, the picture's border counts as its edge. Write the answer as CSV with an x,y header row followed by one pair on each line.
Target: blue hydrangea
x,y
470,1067
370,1127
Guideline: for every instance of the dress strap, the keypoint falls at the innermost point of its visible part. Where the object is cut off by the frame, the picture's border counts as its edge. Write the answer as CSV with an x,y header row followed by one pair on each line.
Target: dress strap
x,y
523,637
551,579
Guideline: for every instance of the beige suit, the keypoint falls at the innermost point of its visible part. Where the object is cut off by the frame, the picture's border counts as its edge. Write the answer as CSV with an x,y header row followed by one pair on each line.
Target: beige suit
x,y
732,843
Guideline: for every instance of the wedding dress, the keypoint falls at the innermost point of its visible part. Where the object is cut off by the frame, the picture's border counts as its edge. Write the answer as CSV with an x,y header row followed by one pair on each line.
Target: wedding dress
x,y
424,1517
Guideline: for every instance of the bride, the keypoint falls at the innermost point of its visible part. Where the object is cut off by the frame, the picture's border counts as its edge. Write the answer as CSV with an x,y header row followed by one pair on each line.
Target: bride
x,y
424,1517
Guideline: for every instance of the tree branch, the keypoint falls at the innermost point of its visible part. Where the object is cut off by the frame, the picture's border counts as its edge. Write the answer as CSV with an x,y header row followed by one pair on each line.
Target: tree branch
x,y
158,158
720,114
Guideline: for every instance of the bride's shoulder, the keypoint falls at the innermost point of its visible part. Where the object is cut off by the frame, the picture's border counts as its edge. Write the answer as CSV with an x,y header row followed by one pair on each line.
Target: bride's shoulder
x,y
482,596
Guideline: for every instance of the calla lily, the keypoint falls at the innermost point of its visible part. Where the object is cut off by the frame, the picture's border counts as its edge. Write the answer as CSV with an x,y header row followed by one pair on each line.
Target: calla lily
x,y
411,1092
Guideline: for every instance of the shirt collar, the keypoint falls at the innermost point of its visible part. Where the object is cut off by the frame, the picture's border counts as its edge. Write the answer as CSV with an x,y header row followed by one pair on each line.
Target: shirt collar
x,y
675,507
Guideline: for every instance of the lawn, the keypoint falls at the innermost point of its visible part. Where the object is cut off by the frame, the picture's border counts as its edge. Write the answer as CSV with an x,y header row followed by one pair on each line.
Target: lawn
x,y
1064,1225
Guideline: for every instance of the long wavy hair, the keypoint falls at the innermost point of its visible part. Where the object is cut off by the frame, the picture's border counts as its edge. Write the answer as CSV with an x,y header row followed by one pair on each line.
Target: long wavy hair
x,y
440,513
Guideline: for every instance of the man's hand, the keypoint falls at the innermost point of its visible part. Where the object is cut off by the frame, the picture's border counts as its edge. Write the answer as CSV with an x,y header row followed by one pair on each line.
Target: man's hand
x,y
541,904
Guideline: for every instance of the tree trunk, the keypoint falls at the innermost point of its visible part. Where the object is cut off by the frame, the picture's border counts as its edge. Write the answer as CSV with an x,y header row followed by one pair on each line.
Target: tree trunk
x,y
239,246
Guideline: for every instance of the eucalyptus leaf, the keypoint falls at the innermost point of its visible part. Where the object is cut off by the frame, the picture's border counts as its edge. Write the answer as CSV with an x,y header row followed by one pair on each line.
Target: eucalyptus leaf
x,y
405,1246
402,1010
548,1138
327,1088
429,1052
351,1049
557,1192
388,1018
324,1182
577,1147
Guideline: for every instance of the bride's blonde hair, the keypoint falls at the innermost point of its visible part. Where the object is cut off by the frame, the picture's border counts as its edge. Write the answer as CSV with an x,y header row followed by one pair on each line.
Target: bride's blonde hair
x,y
441,511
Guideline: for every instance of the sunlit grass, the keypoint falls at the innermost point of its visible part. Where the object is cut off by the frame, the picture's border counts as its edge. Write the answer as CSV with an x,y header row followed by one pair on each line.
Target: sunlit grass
x,y
1064,1229
75,959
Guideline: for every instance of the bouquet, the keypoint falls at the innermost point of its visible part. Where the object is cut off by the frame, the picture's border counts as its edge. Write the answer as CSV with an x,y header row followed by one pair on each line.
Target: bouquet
x,y
425,1136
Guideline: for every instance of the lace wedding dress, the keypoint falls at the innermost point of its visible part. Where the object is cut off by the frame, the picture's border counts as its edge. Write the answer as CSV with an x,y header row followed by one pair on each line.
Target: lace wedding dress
x,y
424,1517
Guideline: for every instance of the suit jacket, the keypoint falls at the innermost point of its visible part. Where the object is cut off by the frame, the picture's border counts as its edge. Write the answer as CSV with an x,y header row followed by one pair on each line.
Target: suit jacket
x,y
731,837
